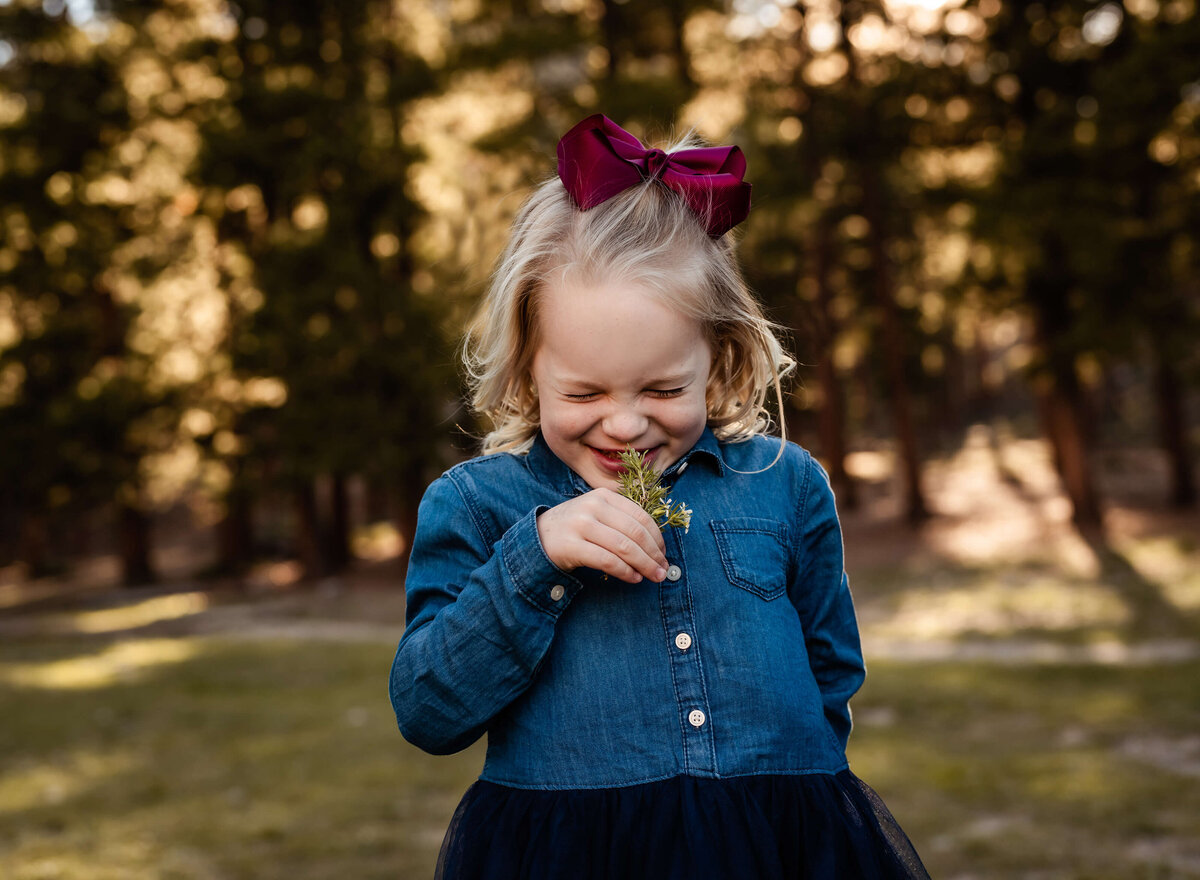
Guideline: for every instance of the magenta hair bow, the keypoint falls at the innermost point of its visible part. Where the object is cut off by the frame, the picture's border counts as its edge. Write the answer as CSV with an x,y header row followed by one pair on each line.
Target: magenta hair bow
x,y
598,159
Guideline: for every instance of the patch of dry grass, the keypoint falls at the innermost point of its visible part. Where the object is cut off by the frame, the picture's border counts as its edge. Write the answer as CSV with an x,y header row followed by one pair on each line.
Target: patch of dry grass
x,y
210,758
222,758
1037,771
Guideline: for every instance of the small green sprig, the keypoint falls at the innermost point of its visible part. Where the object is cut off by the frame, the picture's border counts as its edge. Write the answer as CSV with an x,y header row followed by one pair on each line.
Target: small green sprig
x,y
642,484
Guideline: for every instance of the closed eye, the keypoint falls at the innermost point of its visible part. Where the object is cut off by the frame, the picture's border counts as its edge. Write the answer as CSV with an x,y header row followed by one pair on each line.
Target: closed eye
x,y
587,396
667,392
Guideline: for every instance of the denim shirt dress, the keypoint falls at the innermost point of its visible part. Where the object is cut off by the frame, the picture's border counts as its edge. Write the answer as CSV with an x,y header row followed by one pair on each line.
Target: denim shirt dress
x,y
698,724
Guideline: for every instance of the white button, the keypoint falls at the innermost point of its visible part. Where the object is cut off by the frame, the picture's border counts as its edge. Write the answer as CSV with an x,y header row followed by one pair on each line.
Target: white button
x,y
696,718
674,573
557,592
683,641
682,468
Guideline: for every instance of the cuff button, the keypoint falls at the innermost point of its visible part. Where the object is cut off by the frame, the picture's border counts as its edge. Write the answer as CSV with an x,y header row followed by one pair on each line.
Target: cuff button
x,y
557,592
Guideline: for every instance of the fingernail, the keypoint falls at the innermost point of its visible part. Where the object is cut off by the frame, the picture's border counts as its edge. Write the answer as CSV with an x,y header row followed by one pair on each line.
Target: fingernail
x,y
660,573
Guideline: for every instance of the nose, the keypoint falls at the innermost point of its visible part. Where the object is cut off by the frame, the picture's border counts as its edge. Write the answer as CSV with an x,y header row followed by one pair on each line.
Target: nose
x,y
624,424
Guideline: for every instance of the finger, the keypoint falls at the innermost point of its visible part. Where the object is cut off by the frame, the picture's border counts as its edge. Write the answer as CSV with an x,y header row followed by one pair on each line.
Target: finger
x,y
627,548
643,524
591,533
603,559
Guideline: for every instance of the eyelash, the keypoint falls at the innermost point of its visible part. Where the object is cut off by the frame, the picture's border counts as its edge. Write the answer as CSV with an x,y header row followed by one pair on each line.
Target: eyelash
x,y
660,394
666,393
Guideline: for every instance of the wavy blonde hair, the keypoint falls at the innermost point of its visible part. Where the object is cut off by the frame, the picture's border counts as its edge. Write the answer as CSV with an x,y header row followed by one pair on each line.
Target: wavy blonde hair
x,y
646,235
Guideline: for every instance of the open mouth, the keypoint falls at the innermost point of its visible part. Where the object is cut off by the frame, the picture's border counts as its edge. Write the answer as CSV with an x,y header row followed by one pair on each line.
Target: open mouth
x,y
610,459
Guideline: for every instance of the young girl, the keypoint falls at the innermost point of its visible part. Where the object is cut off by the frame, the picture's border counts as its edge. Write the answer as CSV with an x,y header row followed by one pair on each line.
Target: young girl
x,y
658,704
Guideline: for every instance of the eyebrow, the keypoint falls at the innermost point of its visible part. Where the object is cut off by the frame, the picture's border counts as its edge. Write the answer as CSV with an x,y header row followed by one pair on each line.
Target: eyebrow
x,y
672,381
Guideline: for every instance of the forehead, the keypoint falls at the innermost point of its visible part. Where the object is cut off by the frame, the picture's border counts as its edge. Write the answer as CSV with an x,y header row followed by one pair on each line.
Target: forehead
x,y
623,328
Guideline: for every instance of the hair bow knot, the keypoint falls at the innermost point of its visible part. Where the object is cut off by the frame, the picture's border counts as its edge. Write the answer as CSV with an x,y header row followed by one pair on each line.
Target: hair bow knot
x,y
597,159
655,163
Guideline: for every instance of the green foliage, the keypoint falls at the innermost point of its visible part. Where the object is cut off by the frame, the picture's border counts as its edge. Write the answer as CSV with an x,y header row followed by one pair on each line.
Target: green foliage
x,y
642,484
68,389
358,350
199,205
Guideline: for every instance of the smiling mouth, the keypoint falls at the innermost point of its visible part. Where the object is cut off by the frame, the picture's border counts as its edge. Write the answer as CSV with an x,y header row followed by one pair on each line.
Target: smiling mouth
x,y
615,454
611,458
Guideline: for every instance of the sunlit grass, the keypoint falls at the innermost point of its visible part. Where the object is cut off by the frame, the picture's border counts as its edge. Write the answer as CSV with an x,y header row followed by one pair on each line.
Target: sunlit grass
x,y
271,760
1001,607
1036,771
126,616
1002,560
1173,562
280,759
154,610
118,662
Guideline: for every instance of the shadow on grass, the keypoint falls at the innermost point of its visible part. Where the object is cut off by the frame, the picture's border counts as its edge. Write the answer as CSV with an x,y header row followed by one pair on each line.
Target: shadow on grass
x,y
1042,770
950,601
241,759
1152,613
279,759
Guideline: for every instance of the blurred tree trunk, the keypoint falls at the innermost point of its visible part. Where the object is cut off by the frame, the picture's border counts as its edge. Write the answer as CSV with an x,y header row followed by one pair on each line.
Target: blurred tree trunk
x,y
133,526
831,417
1063,424
33,545
308,531
337,537
899,399
822,323
612,29
676,9
378,502
951,393
10,526
979,396
408,493
1173,429
1060,397
235,532
875,212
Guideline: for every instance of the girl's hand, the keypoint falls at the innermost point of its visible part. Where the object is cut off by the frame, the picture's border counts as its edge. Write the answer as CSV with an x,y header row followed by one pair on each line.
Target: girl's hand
x,y
607,532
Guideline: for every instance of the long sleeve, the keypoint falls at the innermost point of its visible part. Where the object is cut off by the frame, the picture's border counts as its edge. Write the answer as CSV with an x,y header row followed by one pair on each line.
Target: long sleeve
x,y
481,617
821,594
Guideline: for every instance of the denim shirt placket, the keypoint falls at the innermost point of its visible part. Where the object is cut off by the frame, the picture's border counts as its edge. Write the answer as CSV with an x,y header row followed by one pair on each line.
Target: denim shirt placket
x,y
687,665
675,609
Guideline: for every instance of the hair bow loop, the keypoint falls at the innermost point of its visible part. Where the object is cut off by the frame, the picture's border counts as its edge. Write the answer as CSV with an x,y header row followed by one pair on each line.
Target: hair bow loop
x,y
597,159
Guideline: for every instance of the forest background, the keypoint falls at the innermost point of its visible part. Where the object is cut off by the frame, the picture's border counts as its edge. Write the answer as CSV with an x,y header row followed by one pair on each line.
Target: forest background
x,y
239,242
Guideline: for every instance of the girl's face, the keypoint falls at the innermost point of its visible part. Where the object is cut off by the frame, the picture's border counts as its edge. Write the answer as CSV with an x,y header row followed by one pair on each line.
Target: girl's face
x,y
618,368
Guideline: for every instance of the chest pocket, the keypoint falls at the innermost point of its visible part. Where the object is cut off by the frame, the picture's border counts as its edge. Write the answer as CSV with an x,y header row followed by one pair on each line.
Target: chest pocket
x,y
754,554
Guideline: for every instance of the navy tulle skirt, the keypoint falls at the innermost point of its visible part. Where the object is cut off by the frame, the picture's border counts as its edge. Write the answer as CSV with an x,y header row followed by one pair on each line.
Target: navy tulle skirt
x,y
815,827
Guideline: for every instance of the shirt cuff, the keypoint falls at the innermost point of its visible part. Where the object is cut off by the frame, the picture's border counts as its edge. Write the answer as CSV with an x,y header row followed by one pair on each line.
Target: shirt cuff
x,y
539,581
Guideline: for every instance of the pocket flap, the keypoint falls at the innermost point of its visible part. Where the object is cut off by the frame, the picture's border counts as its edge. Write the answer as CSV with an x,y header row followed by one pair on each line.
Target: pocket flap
x,y
754,554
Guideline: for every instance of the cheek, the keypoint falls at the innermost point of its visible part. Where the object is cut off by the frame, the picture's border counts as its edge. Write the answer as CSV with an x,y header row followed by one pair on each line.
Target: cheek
x,y
562,421
686,417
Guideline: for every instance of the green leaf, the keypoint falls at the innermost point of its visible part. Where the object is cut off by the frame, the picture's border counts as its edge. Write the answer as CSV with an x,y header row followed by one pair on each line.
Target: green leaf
x,y
642,484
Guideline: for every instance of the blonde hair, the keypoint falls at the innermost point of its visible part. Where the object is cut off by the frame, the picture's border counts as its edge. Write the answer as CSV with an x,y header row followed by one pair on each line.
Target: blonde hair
x,y
646,234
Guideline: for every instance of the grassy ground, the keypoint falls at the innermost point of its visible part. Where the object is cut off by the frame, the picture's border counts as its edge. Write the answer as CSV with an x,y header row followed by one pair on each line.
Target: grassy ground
x,y
208,757
212,758
1035,771
1031,709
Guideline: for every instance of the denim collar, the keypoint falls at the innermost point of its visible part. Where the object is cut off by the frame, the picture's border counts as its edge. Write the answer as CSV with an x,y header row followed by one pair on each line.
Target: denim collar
x,y
550,469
